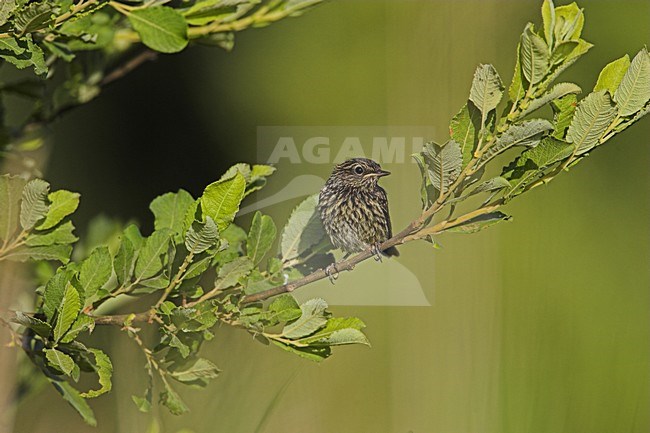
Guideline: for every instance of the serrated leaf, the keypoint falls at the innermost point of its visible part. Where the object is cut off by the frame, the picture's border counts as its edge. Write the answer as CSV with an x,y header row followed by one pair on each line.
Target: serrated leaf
x,y
95,271
283,309
34,205
534,55
558,91
44,252
172,401
59,360
531,163
479,223
634,90
37,325
63,203
338,331
200,370
123,261
73,397
303,230
67,311
54,291
231,272
612,74
23,53
487,89
593,115
494,184
563,108
580,49
464,128
569,21
313,318
445,164
161,28
527,133
33,17
313,353
6,9
260,238
170,210
62,234
150,261
516,91
132,233
548,16
563,51
11,188
201,236
104,368
221,199
81,324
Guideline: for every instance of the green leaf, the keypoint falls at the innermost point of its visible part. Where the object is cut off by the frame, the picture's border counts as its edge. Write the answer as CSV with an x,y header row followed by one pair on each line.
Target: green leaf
x,y
150,261
634,90
81,324
480,222
6,9
445,164
95,271
59,360
132,233
34,205
612,74
23,53
199,371
45,252
563,51
206,11
231,272
580,49
534,55
491,185
54,291
123,261
303,230
593,115
313,318
104,369
313,353
67,312
220,200
338,331
63,203
161,28
201,236
11,188
563,109
260,237
73,397
464,129
527,133
569,21
37,325
283,309
33,17
516,91
548,16
487,89
62,234
530,163
558,91
170,210
172,400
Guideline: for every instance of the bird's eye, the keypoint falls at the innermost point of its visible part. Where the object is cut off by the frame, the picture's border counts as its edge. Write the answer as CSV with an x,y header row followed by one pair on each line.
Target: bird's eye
x,y
358,169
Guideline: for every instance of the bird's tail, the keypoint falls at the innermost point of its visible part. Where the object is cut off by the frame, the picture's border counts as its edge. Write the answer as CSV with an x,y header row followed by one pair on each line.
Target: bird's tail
x,y
391,252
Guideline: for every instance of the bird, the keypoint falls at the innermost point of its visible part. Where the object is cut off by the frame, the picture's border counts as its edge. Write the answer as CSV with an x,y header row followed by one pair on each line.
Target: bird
x,y
354,208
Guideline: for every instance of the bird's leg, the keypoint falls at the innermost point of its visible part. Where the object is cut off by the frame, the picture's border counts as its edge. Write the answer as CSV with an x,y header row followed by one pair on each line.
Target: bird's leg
x,y
376,251
332,273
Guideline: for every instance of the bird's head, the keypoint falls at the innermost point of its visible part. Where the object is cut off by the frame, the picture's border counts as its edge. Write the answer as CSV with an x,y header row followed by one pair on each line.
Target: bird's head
x,y
358,173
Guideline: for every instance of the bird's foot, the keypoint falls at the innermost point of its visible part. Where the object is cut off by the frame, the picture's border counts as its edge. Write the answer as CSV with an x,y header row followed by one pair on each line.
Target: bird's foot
x,y
377,252
332,273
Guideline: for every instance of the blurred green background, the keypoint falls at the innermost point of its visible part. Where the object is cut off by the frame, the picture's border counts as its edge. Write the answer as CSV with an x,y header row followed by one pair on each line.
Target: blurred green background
x,y
540,325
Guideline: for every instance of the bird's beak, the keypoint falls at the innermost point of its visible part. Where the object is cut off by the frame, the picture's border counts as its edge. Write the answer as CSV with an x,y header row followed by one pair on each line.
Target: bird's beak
x,y
380,173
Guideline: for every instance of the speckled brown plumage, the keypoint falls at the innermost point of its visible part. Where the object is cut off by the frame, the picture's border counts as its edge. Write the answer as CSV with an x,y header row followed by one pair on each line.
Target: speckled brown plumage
x,y
354,208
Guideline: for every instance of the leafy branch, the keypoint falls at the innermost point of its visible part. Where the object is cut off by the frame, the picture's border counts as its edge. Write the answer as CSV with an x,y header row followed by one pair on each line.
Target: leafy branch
x,y
202,269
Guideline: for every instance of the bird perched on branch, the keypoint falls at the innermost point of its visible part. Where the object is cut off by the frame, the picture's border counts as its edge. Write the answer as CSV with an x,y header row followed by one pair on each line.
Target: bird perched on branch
x,y
354,208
